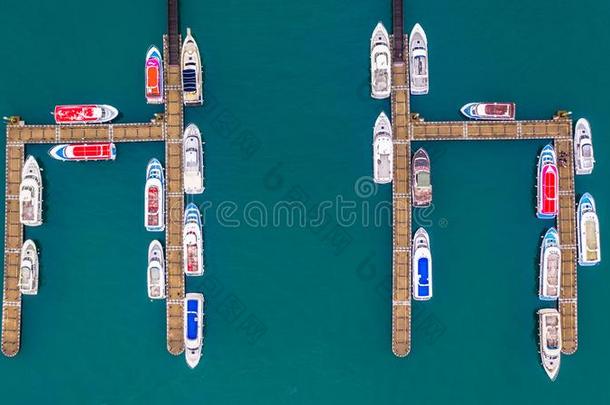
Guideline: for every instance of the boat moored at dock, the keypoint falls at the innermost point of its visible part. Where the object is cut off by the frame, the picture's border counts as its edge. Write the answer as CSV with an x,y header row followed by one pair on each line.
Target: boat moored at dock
x,y
154,197
549,324
422,184
589,248
78,152
193,328
383,150
381,63
192,77
548,184
418,61
489,111
30,193
84,114
28,274
192,239
193,160
153,74
550,266
422,266
584,161
156,271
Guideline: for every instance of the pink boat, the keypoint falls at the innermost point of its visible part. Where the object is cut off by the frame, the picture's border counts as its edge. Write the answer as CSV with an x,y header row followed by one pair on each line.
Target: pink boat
x,y
80,152
84,114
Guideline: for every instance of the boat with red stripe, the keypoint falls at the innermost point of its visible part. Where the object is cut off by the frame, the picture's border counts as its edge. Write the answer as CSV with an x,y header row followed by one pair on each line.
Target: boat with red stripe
x,y
548,184
84,113
84,151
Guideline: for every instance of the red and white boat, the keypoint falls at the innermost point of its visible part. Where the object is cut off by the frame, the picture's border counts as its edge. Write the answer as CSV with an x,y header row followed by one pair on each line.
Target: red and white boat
x,y
84,113
154,76
548,184
489,111
84,151
154,197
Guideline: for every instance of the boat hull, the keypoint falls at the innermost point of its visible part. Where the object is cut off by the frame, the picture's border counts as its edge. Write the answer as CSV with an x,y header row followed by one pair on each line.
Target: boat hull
x,y
550,266
84,114
156,271
30,194
422,266
418,61
83,152
584,159
154,197
192,155
383,150
153,74
381,63
548,184
192,239
422,185
193,328
589,248
192,76
29,269
549,325
489,111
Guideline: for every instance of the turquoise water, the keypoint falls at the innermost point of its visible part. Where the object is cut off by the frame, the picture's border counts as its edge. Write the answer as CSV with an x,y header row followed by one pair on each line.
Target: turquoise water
x,y
301,315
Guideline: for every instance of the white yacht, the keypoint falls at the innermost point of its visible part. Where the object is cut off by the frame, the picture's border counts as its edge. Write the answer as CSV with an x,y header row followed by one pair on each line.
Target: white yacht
x,y
549,321
550,266
192,239
192,77
383,150
418,61
584,161
193,328
28,274
589,249
193,160
154,197
381,63
30,193
156,271
422,266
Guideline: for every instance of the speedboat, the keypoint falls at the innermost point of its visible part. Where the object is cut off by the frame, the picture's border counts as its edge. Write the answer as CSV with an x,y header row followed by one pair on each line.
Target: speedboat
x,y
583,148
381,63
383,150
489,111
192,81
192,239
83,151
422,266
193,160
30,193
548,184
153,73
156,271
193,328
154,197
550,266
549,323
418,60
84,114
28,274
422,185
589,249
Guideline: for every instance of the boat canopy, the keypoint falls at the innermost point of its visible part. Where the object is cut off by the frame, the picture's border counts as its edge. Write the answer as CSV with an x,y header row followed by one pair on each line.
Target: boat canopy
x,y
191,321
423,179
189,78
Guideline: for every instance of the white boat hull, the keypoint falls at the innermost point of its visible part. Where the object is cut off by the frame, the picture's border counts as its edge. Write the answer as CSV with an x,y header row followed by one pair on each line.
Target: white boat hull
x,y
383,150
30,194
29,269
422,266
550,266
418,61
154,197
587,224
584,159
156,271
193,174
549,323
192,76
381,63
193,328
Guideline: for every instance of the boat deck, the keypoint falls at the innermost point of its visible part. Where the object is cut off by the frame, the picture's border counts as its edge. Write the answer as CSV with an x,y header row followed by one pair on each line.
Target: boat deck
x,y
408,128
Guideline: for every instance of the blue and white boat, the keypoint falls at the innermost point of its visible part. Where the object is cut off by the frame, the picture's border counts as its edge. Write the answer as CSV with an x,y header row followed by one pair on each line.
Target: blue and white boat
x,y
550,266
193,328
192,239
192,77
154,197
422,266
589,249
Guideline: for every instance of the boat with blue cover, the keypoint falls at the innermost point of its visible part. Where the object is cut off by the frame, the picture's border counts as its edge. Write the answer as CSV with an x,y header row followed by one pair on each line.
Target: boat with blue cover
x,y
422,266
192,239
589,248
154,197
193,328
192,77
550,266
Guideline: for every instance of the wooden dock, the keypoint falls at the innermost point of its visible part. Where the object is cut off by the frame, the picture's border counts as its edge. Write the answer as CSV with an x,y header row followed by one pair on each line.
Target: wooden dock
x,y
407,128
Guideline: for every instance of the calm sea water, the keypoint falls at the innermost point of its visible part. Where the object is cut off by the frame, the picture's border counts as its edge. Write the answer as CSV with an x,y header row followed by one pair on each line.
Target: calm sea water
x,y
301,315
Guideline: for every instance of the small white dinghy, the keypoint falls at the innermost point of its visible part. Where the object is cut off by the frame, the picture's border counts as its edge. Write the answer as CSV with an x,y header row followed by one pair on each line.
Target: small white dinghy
x,y
30,194
383,150
193,328
156,271
28,274
193,160
549,323
192,77
418,61
381,63
584,161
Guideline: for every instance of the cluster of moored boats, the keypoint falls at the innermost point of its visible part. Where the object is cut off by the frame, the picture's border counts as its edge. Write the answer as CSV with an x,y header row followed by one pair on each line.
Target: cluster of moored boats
x,y
547,201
